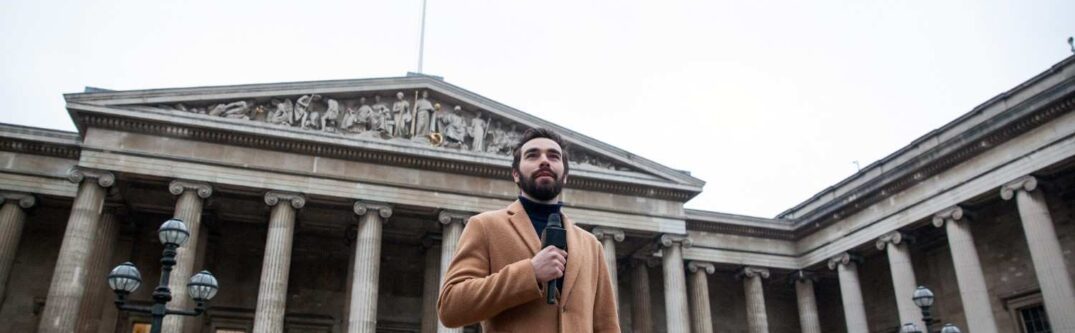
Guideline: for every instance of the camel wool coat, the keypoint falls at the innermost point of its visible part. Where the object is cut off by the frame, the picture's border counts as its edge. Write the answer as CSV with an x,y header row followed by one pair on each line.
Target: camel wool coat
x,y
491,280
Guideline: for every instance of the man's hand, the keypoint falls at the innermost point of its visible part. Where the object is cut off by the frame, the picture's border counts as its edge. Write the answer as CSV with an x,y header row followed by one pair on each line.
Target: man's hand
x,y
549,264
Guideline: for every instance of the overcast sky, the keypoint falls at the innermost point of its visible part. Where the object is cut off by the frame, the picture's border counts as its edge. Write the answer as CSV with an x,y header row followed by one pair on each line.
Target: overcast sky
x,y
768,102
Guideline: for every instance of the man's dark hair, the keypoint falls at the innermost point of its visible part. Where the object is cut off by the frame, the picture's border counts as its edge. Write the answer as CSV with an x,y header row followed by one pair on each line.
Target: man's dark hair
x,y
536,133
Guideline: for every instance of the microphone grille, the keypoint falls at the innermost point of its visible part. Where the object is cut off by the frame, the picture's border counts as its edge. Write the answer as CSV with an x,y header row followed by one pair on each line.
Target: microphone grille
x,y
554,219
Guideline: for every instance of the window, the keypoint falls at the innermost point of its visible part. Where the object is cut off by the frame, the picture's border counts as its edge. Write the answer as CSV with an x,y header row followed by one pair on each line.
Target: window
x,y
1034,319
1027,312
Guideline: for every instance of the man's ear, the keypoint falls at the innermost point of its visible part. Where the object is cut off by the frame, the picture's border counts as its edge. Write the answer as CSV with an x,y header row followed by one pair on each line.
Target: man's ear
x,y
565,179
515,175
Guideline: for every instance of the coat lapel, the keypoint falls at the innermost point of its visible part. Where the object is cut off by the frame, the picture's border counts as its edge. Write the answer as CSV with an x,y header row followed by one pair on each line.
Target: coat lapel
x,y
522,225
574,262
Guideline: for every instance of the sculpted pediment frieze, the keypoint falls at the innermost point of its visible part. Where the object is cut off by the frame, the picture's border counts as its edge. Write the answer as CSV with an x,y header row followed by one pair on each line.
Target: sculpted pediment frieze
x,y
412,116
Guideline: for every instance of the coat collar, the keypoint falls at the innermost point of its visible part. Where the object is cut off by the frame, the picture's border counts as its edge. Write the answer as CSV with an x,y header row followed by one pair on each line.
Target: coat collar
x,y
524,229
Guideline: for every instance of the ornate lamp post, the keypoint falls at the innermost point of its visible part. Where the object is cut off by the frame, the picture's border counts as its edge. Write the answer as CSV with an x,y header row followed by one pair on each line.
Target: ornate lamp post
x,y
923,298
125,279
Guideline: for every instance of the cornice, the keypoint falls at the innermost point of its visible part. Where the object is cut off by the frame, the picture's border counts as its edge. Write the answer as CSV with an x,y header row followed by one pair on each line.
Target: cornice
x,y
971,143
358,154
40,148
741,230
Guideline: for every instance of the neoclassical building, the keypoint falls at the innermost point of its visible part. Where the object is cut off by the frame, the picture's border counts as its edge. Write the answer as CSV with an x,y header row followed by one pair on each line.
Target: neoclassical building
x,y
334,206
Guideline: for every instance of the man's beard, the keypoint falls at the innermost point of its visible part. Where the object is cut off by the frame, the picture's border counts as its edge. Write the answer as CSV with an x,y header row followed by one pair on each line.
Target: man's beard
x,y
541,192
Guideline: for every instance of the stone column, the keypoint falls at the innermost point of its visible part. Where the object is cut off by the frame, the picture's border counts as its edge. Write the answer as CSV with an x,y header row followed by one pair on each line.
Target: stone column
x,y
641,313
701,316
430,283
188,209
69,277
757,318
804,295
272,289
972,289
12,218
1045,252
97,290
903,280
367,266
675,288
452,229
850,292
608,238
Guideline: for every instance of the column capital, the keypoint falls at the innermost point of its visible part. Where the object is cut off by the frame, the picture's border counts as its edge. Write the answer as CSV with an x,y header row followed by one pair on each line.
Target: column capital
x,y
602,232
1024,183
362,207
843,259
894,238
273,197
752,271
802,275
448,216
25,200
177,187
104,178
950,214
696,266
667,240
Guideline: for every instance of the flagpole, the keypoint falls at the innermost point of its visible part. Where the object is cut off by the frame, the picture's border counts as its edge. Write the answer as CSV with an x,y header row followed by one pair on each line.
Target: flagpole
x,y
422,38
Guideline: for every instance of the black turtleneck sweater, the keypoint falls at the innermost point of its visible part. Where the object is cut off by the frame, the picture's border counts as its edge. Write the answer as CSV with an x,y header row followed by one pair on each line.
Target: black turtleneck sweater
x,y
539,212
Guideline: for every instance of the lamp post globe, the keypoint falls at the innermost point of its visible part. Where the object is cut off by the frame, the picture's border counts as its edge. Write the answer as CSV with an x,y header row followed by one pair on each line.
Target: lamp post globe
x,y
125,278
202,286
910,328
923,297
949,328
173,232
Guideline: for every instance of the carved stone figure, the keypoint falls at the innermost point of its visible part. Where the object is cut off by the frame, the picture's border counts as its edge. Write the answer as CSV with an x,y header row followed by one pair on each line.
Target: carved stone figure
x,y
302,108
328,120
313,120
477,133
455,127
424,114
284,113
350,119
382,119
365,115
401,113
234,110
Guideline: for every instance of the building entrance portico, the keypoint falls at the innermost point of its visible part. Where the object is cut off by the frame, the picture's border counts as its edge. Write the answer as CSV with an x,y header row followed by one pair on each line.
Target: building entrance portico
x,y
335,206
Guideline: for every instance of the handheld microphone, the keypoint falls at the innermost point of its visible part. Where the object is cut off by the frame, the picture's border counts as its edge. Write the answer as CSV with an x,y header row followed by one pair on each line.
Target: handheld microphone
x,y
555,235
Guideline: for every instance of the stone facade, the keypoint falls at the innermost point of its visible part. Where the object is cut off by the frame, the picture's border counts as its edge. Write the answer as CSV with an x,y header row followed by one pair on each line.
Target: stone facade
x,y
319,210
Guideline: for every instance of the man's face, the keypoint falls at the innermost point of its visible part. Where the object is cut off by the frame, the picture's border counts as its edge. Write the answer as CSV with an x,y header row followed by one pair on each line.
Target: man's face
x,y
541,169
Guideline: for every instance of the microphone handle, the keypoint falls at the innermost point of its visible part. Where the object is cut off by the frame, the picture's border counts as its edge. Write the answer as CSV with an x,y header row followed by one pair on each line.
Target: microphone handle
x,y
550,292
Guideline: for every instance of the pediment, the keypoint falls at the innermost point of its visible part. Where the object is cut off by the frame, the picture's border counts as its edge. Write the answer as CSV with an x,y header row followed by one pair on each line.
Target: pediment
x,y
415,113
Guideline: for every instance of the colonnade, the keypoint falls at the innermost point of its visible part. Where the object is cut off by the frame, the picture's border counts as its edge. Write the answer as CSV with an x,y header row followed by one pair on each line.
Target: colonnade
x,y
90,233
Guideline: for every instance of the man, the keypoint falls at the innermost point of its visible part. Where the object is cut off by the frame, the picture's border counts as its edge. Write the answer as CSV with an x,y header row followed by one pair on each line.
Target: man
x,y
499,272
